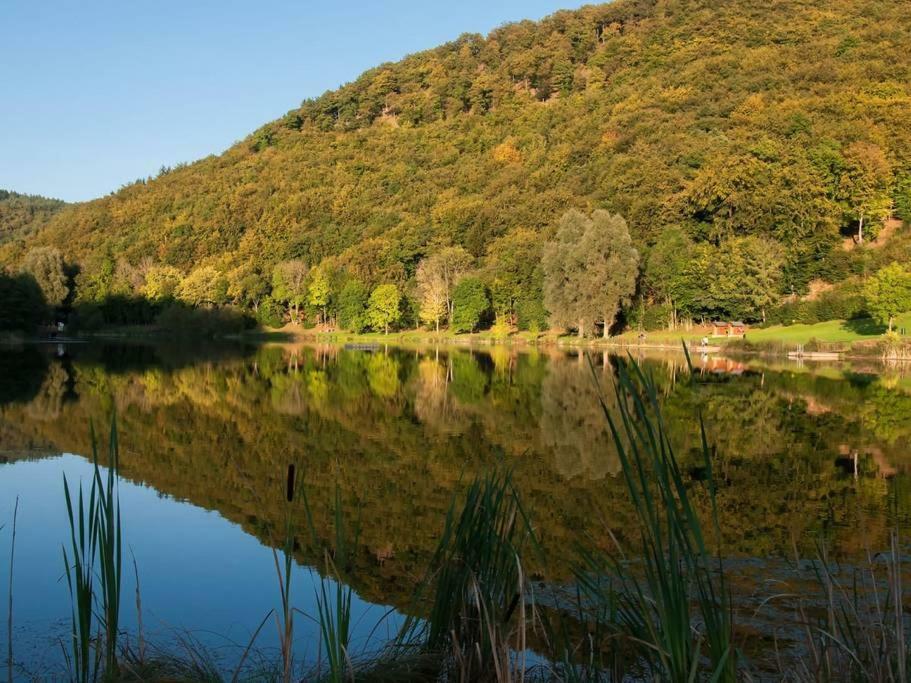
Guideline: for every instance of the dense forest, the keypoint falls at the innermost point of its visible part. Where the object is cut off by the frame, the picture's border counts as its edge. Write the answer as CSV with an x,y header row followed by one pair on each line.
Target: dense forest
x,y
734,156
23,214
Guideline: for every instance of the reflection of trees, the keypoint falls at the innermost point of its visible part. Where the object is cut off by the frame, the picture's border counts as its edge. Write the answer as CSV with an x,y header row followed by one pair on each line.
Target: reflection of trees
x,y
383,375
48,401
22,372
573,426
221,434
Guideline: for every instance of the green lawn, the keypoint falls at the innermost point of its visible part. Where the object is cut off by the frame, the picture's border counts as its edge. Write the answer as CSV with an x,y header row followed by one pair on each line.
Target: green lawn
x,y
835,331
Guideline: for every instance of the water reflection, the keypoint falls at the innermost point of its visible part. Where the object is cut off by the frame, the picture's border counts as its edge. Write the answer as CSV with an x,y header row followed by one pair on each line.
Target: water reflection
x,y
801,453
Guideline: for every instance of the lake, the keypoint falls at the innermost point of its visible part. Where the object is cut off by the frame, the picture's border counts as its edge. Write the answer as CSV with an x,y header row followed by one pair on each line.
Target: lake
x,y
805,455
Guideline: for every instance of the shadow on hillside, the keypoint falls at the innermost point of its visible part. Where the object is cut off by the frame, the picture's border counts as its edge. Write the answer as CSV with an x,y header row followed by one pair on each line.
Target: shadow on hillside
x,y
864,326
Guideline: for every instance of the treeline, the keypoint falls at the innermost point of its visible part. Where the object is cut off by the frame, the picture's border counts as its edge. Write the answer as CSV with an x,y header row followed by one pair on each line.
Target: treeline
x,y
589,278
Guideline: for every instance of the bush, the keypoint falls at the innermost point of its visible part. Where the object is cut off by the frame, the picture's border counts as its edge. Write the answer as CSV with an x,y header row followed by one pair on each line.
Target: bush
x,y
270,313
531,315
843,303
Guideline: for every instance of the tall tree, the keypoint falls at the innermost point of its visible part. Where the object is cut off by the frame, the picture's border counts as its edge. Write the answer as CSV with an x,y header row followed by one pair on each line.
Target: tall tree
x,y
866,185
383,308
436,278
888,293
319,291
512,269
352,306
45,264
471,304
590,270
289,285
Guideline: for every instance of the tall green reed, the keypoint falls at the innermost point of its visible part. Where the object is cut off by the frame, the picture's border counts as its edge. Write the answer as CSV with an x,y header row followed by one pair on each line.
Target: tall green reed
x,y
481,601
95,553
672,608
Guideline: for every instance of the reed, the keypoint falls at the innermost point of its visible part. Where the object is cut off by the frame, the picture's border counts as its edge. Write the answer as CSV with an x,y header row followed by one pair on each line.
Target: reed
x,y
95,552
673,607
284,618
481,602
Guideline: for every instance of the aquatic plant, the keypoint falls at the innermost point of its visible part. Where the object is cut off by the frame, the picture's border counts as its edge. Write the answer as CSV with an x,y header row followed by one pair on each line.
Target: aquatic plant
x,y
672,607
481,600
95,552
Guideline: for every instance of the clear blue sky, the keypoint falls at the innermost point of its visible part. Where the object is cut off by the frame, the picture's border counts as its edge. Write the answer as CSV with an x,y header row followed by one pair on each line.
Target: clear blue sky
x,y
96,93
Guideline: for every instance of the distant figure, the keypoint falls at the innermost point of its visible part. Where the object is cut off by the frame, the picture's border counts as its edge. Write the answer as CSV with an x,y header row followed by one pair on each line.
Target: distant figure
x,y
641,337
705,342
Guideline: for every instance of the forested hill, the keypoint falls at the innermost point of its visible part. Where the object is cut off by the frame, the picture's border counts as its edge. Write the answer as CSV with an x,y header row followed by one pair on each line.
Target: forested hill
x,y
788,120
22,214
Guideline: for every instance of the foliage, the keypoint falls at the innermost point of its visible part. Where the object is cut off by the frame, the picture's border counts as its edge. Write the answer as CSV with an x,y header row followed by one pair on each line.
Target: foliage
x,y
352,306
22,215
383,307
780,122
590,269
470,305
436,278
289,285
888,293
22,304
204,285
45,265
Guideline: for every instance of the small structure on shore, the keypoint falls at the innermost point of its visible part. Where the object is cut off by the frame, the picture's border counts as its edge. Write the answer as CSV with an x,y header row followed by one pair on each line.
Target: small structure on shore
x,y
729,329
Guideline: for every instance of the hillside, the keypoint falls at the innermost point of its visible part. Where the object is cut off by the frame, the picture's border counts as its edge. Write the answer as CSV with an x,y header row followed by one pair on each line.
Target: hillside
x,y
21,215
787,120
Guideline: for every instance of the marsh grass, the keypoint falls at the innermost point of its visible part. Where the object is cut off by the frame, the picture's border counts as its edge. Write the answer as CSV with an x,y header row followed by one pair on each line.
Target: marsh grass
x,y
95,555
481,603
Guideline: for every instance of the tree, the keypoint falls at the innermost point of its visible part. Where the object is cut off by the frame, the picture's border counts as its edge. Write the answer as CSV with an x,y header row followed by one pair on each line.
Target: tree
x,y
352,306
289,285
512,270
590,270
248,286
471,304
22,304
319,291
888,293
45,264
383,307
665,268
436,278
161,282
204,285
866,185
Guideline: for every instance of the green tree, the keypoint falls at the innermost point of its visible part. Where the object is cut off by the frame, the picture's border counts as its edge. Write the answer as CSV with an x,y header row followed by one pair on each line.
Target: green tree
x,y
866,185
247,286
383,307
436,278
590,270
888,293
289,285
471,303
512,269
45,264
352,306
22,303
319,291
665,267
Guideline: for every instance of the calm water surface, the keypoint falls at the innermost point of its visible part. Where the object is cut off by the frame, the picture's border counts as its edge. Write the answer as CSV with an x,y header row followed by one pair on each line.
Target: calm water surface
x,y
803,454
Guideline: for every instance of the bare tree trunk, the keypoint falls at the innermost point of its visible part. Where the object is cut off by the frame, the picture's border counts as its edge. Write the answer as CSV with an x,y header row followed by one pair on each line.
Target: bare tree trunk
x,y
581,329
860,229
607,321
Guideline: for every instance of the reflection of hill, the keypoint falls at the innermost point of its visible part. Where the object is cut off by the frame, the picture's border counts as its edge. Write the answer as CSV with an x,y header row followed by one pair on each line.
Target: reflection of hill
x,y
397,432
